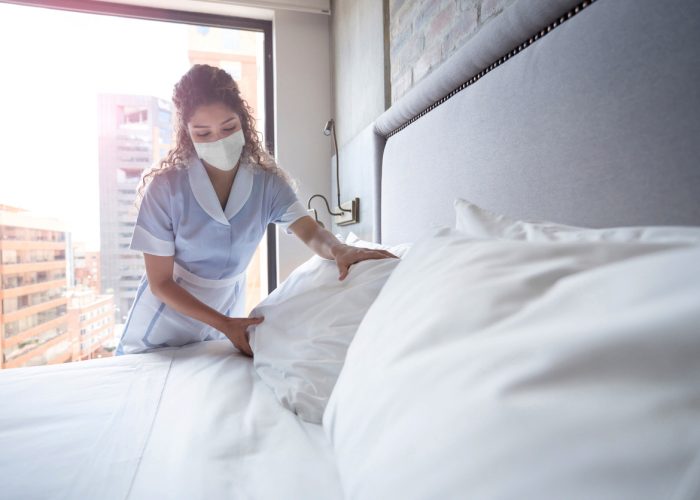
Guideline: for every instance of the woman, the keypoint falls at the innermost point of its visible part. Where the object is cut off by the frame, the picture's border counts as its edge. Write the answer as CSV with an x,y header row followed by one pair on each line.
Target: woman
x,y
203,213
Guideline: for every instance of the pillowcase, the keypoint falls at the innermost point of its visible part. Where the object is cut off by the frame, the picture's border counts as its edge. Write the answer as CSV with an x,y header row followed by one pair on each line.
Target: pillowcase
x,y
479,223
399,250
507,369
310,320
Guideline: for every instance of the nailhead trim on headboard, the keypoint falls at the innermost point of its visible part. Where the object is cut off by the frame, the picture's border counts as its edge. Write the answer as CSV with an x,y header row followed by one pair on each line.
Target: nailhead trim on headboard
x,y
497,63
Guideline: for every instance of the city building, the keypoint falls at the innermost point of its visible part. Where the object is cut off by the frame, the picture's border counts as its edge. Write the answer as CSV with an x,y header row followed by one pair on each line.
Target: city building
x,y
33,272
91,323
134,133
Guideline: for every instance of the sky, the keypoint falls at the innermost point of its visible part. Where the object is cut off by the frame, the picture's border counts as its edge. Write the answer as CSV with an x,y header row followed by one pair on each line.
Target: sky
x,y
54,64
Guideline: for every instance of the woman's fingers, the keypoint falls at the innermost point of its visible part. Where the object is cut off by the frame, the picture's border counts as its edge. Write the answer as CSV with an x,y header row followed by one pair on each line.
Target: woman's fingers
x,y
343,270
386,253
244,347
247,349
236,331
379,254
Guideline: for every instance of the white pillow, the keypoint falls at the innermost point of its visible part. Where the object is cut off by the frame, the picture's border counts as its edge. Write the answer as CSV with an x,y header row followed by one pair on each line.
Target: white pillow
x,y
399,250
479,223
507,370
310,320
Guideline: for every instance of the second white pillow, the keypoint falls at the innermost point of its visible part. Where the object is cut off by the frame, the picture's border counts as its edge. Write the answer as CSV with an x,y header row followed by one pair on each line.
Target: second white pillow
x,y
479,223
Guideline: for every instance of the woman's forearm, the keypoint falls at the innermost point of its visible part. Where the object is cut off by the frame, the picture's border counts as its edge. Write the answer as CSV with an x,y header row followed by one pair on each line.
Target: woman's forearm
x,y
185,303
324,244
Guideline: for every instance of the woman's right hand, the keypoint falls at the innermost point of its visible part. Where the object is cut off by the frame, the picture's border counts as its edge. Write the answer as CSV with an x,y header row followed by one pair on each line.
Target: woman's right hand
x,y
236,331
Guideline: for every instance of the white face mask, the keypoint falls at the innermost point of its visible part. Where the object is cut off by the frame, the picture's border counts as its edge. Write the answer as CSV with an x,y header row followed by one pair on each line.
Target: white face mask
x,y
222,154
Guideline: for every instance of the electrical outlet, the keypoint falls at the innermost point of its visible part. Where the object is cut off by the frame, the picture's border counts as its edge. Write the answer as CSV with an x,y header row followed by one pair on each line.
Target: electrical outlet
x,y
352,217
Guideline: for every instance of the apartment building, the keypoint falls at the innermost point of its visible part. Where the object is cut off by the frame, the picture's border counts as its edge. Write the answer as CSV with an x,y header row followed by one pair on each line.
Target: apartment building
x,y
33,316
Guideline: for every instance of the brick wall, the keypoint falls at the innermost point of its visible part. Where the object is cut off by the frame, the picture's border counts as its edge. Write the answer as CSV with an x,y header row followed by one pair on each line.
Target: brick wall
x,y
423,33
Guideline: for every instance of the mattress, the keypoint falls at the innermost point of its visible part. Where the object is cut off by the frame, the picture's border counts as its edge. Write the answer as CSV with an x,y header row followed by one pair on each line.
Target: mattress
x,y
189,422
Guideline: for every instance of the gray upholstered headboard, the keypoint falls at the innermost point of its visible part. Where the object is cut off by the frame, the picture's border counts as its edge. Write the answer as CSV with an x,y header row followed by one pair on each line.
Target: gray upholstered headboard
x,y
586,116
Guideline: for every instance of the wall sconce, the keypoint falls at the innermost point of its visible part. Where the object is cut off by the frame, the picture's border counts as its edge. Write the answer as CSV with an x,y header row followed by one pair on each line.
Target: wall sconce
x,y
348,212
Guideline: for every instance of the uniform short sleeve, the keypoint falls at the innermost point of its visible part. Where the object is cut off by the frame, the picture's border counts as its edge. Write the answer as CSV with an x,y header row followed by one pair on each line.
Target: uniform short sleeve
x,y
153,232
286,207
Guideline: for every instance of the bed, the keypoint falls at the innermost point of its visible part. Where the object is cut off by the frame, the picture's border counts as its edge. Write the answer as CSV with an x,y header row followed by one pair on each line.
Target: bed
x,y
190,422
568,132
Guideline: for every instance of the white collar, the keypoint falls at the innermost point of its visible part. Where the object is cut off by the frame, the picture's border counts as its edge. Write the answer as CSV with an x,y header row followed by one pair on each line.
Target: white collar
x,y
205,195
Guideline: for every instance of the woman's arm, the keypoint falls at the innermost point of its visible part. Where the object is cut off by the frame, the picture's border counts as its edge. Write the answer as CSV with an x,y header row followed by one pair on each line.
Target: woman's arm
x,y
160,280
326,245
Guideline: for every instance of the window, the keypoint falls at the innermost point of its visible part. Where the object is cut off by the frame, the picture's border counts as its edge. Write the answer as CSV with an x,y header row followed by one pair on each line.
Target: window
x,y
102,91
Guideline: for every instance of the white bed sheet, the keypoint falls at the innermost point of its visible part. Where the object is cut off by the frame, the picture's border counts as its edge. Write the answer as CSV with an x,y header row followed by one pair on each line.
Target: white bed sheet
x,y
190,422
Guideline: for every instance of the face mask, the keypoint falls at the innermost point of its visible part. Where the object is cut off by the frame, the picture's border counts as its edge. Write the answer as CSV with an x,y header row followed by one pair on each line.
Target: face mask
x,y
222,154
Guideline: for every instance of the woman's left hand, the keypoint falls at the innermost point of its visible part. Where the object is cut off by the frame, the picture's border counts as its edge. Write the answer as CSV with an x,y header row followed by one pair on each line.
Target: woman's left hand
x,y
347,255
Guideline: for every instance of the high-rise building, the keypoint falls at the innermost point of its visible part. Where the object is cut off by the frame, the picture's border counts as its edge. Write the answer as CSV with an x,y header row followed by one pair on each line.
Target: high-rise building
x,y
134,133
33,316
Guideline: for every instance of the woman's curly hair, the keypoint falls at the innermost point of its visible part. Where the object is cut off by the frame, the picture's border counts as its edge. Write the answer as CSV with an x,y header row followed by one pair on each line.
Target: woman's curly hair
x,y
202,85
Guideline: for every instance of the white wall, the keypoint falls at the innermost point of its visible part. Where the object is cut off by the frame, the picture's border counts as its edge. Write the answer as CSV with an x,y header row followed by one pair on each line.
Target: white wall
x,y
302,107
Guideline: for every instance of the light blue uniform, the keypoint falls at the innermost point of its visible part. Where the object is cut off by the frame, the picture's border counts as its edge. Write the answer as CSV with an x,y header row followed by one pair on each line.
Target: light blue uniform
x,y
181,215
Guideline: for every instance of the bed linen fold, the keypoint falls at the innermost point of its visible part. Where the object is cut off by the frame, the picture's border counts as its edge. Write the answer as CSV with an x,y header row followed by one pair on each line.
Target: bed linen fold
x,y
78,430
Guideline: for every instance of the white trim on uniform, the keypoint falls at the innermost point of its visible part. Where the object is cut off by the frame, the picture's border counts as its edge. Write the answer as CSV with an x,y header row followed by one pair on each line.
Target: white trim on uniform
x,y
295,212
143,241
240,191
180,272
205,195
